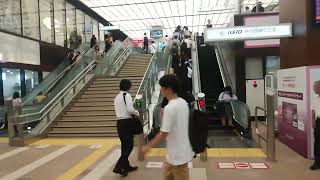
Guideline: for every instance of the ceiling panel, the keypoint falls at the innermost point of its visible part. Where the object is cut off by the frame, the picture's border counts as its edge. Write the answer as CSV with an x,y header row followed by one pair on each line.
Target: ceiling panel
x,y
135,17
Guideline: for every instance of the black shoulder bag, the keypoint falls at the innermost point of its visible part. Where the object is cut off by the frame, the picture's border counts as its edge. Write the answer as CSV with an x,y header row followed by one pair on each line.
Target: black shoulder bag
x,y
135,123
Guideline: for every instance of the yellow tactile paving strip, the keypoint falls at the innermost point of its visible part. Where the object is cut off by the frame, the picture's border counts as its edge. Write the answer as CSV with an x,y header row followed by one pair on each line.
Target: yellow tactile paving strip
x,y
219,152
108,144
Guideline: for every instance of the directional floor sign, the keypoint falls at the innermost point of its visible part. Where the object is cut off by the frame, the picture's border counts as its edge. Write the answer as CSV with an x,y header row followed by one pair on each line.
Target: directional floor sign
x,y
258,166
154,165
242,165
226,166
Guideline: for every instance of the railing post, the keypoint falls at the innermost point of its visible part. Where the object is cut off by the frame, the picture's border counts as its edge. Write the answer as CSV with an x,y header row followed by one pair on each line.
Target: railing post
x,y
15,128
140,137
201,104
271,146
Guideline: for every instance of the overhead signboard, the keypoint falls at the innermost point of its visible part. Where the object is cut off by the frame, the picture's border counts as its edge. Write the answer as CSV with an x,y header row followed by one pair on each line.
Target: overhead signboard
x,y
248,33
107,28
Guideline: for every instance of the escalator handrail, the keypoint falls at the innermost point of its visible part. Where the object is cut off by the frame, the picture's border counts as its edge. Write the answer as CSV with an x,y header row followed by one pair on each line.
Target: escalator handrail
x,y
54,101
59,76
195,69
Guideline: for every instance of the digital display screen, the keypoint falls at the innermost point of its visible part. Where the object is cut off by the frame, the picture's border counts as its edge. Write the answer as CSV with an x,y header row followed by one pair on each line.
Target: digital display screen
x,y
156,33
317,11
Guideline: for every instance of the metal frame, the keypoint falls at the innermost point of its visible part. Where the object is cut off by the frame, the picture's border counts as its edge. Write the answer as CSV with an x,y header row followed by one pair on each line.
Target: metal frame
x,y
270,139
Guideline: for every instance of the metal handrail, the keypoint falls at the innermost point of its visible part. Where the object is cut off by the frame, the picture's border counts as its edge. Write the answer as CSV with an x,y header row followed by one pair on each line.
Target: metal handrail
x,y
145,74
196,82
259,122
119,58
58,97
270,139
59,76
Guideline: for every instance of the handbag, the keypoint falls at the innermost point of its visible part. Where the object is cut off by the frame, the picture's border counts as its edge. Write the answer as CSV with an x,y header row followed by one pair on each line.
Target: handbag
x,y
135,122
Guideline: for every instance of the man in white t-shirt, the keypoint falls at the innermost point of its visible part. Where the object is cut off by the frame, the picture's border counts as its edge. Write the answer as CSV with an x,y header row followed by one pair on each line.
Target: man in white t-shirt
x,y
316,125
175,129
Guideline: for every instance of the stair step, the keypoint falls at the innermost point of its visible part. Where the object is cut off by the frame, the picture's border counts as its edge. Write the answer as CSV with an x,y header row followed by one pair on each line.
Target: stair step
x,y
80,128
118,79
91,100
81,135
93,104
83,132
116,82
104,95
95,108
105,90
106,85
86,123
88,118
90,113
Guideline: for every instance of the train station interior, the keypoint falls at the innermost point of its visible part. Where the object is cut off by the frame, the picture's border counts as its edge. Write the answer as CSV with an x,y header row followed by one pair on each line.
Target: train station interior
x,y
159,89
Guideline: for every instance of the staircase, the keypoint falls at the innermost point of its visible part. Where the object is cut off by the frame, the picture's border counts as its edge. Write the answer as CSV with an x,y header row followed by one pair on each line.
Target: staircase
x,y
92,114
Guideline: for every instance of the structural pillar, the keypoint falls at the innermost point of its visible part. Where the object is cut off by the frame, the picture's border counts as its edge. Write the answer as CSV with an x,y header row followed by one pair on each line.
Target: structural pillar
x,y
301,49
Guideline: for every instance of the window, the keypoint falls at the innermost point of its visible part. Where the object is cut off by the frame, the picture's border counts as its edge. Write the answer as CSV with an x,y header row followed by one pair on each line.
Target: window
x,y
101,33
46,21
11,82
71,26
95,28
80,25
32,79
10,17
88,28
59,22
30,18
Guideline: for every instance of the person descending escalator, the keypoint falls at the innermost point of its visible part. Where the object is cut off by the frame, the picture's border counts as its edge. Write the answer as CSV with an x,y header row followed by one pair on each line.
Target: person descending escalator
x,y
93,41
224,108
71,56
175,51
108,42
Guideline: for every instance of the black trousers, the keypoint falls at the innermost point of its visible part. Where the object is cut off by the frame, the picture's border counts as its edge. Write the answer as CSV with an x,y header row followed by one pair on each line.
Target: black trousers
x,y
145,48
317,142
126,138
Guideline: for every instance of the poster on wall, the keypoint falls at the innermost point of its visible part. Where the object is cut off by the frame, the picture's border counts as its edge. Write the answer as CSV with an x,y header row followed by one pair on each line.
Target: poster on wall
x,y
314,77
295,94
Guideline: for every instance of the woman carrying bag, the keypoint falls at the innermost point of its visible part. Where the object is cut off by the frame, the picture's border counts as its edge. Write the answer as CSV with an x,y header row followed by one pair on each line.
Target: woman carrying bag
x,y
128,125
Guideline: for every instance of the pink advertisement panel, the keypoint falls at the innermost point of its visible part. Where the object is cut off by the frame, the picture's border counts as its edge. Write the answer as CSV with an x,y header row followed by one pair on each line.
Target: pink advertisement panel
x,y
295,96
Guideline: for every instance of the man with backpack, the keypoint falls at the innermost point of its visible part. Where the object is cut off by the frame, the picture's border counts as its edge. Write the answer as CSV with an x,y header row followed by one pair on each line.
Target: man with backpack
x,y
175,129
175,51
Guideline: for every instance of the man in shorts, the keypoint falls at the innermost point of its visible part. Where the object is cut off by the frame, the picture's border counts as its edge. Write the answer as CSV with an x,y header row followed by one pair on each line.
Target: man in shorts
x,y
175,129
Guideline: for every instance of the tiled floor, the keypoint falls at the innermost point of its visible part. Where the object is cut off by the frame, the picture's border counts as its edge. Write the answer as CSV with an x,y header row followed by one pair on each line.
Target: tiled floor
x,y
67,159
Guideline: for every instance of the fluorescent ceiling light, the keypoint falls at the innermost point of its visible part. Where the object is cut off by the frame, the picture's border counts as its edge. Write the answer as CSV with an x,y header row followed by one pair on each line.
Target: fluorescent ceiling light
x,y
137,16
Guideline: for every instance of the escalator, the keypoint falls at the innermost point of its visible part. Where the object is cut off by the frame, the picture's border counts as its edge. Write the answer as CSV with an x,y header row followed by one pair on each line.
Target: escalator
x,y
62,87
211,82
214,77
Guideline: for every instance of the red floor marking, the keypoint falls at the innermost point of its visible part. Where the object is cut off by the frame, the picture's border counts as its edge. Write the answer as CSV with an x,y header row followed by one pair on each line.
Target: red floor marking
x,y
242,165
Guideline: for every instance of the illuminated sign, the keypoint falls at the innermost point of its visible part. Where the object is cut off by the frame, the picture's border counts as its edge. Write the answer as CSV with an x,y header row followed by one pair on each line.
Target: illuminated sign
x,y
248,33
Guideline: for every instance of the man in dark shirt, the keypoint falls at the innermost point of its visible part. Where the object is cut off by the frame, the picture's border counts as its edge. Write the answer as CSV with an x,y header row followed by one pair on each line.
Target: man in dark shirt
x,y
145,43
93,41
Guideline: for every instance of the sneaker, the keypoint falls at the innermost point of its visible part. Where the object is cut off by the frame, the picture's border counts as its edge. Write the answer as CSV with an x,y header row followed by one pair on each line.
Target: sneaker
x,y
315,166
131,169
121,172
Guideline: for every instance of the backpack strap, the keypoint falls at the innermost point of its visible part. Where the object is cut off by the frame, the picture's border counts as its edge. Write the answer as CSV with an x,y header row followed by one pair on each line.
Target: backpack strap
x,y
124,98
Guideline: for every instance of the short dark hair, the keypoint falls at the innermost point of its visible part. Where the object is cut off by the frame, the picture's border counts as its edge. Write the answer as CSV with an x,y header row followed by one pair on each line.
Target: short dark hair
x,y
125,85
170,81
16,95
